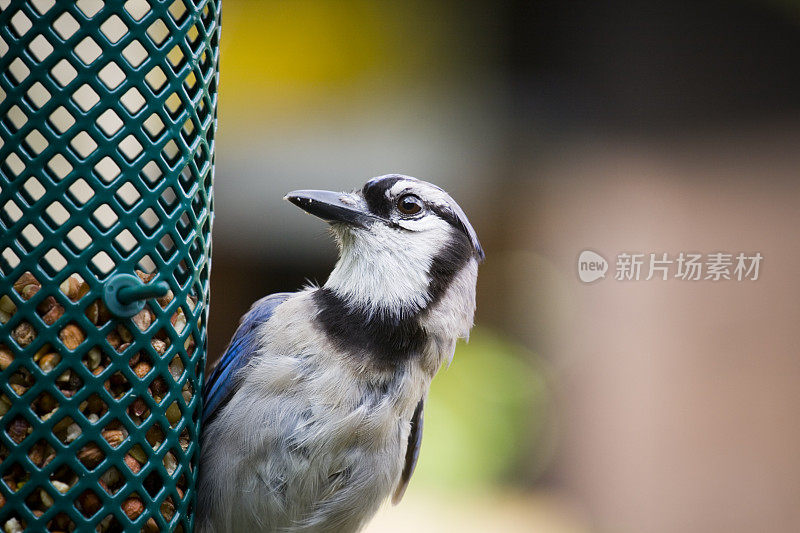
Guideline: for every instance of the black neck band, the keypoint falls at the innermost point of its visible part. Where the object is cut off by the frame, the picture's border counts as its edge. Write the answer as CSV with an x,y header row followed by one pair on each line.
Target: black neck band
x,y
387,341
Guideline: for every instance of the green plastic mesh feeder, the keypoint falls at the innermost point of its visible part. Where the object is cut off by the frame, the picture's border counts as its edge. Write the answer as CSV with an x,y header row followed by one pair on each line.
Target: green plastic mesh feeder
x,y
107,122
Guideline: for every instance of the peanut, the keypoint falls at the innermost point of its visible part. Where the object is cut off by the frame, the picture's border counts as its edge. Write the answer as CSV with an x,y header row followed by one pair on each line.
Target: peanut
x,y
138,407
168,509
159,346
132,464
6,357
110,478
90,455
24,334
29,290
114,437
60,486
70,287
142,369
93,358
170,463
47,500
143,319
176,367
145,277
46,304
93,312
25,279
133,507
178,320
49,361
73,432
37,454
72,336
166,299
53,313
89,502
12,526
124,333
5,405
114,340
158,387
19,429
7,305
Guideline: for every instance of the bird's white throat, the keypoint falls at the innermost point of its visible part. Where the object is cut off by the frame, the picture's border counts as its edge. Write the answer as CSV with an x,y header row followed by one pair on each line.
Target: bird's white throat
x,y
382,270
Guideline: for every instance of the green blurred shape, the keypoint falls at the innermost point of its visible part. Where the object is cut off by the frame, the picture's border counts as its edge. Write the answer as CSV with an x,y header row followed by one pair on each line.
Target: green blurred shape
x,y
485,417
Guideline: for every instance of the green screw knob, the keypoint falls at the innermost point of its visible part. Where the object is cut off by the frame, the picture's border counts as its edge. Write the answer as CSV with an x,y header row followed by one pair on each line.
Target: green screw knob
x,y
124,294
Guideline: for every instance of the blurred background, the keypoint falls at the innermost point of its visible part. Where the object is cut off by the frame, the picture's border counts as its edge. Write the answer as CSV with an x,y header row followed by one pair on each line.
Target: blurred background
x,y
649,406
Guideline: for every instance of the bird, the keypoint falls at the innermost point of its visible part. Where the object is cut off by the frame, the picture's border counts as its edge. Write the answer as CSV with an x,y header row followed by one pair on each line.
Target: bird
x,y
313,416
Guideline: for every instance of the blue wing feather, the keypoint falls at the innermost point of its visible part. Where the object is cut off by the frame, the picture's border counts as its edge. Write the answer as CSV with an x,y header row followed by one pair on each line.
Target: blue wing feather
x,y
222,382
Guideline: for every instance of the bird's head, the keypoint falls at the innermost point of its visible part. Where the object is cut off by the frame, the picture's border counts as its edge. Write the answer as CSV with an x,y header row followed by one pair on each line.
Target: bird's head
x,y
405,245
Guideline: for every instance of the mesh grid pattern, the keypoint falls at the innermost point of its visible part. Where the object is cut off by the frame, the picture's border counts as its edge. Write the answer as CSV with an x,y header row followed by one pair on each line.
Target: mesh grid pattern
x,y
107,123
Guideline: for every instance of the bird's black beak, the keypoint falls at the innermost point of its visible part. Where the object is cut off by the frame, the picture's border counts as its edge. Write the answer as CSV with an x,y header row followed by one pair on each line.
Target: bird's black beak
x,y
330,206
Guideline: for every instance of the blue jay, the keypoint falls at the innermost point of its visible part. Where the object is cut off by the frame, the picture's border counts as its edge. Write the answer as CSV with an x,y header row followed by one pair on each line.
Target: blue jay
x,y
313,416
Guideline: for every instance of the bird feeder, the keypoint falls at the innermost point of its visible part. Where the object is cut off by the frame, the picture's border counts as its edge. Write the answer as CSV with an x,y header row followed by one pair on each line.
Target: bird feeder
x,y
107,123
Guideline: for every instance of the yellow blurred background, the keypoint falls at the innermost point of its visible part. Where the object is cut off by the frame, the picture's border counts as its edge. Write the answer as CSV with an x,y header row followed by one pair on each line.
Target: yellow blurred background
x,y
614,126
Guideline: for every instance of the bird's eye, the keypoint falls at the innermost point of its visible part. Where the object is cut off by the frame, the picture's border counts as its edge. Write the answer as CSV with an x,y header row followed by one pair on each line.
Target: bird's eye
x,y
409,204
